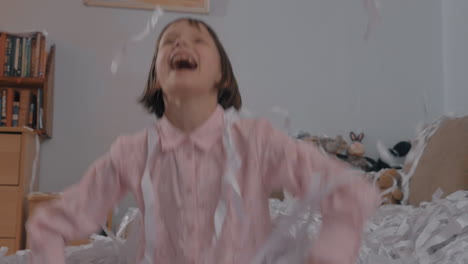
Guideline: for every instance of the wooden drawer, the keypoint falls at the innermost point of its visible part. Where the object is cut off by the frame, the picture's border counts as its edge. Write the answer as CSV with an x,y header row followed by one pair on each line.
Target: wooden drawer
x,y
10,150
8,211
9,243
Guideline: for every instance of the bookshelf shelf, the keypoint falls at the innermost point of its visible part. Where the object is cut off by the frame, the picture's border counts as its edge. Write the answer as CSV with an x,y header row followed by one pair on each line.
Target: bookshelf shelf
x,y
17,130
20,82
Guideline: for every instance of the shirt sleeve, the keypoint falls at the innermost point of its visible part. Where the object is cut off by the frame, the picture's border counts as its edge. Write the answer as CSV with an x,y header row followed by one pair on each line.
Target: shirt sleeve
x,y
81,210
291,164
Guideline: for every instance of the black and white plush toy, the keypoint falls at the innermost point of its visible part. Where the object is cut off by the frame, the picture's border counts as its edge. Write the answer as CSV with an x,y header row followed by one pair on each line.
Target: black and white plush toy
x,y
387,157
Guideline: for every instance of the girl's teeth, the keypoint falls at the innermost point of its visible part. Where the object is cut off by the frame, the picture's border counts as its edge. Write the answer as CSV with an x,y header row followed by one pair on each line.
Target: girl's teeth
x,y
180,58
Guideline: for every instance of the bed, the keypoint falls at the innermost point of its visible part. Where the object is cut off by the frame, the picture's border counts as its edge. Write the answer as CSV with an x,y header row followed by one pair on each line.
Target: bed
x,y
431,228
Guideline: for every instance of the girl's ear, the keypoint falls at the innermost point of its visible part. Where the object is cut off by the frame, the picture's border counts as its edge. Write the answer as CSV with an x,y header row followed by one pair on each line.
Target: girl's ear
x,y
157,85
360,137
353,136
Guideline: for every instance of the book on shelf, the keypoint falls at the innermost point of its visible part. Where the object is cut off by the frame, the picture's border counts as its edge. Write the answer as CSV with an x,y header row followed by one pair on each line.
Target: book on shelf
x,y
23,115
9,107
1,110
21,107
16,99
3,100
22,54
32,108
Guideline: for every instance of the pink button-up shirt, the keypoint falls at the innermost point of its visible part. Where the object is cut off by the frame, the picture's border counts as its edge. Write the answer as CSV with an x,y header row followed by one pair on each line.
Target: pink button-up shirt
x,y
186,174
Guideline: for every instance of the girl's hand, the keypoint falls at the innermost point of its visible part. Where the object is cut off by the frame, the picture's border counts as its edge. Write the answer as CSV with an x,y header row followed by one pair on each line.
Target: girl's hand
x,y
344,213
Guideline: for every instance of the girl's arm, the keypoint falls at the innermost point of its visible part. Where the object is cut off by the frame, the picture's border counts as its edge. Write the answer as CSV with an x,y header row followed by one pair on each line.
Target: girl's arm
x,y
291,164
81,210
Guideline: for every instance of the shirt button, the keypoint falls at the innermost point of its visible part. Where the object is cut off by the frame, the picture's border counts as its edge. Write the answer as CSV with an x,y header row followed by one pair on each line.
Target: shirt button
x,y
189,152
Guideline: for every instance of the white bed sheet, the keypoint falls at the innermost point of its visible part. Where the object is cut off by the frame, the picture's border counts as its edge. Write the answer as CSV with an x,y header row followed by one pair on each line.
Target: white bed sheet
x,y
435,232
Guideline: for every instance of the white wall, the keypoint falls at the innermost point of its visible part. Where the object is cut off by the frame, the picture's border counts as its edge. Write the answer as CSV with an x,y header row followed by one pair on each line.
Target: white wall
x,y
307,56
455,30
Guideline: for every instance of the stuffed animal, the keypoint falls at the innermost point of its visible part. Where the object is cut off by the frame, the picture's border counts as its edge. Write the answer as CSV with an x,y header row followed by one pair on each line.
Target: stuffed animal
x,y
388,179
355,152
333,146
399,151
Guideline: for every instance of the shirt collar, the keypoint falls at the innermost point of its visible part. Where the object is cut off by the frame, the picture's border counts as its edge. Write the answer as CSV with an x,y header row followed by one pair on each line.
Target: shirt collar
x,y
203,137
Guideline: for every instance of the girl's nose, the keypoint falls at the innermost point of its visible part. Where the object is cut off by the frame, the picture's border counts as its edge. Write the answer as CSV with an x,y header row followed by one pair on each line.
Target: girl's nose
x,y
180,42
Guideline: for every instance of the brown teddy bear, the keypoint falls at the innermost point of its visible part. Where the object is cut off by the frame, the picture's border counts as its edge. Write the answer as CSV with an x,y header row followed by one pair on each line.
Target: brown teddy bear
x,y
386,180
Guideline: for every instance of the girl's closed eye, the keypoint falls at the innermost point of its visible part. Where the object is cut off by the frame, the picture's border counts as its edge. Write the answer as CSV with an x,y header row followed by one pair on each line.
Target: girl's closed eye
x,y
169,41
170,38
199,40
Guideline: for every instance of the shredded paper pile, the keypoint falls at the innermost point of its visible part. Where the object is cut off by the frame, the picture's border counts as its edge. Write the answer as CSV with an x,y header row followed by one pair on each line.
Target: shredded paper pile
x,y
435,232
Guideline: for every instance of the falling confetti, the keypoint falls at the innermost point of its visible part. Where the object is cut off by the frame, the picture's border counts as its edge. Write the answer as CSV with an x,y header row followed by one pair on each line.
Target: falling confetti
x,y
150,25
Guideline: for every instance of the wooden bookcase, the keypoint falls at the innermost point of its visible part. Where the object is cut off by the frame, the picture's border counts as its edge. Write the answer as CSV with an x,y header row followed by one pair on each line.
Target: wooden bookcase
x,y
17,157
46,83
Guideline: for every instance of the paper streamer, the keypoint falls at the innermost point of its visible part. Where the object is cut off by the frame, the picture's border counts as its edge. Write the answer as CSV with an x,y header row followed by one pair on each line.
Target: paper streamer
x,y
416,153
126,222
176,182
284,114
125,252
149,199
292,237
373,14
150,25
229,180
425,103
289,241
412,158
35,164
233,165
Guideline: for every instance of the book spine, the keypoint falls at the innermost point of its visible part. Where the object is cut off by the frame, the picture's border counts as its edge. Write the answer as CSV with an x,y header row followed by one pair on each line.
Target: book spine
x,y
44,62
6,62
1,109
39,109
37,53
11,55
9,106
28,61
25,96
23,58
33,111
17,57
16,104
2,53
33,57
42,56
4,107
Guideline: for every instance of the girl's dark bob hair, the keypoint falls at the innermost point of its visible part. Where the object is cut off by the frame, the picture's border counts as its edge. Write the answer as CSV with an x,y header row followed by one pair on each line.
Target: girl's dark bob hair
x,y
228,91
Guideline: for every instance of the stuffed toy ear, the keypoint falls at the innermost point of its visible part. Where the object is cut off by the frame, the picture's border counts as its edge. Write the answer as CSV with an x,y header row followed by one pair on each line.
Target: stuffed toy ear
x,y
360,137
401,149
353,136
